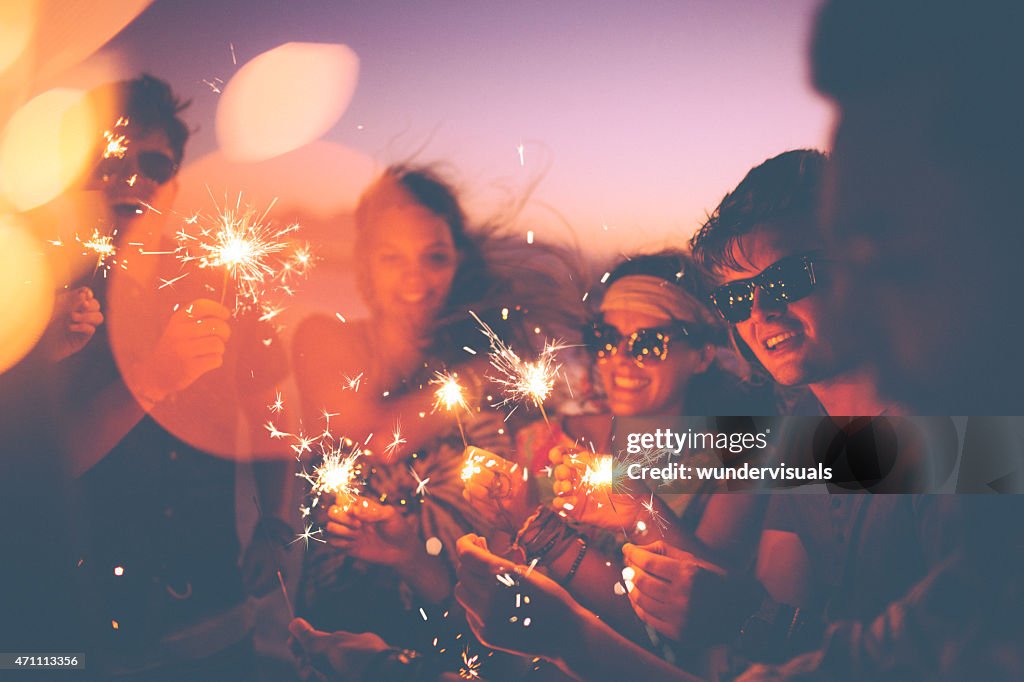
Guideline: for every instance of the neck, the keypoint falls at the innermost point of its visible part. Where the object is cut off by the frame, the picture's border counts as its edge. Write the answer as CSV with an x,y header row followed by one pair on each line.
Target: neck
x,y
853,393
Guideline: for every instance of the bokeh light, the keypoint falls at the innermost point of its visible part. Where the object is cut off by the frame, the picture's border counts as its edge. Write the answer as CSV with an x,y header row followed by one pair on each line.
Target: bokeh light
x,y
285,98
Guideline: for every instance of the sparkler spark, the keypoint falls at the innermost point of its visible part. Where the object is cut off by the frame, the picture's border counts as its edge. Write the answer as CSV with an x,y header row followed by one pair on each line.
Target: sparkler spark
x,y
309,534
278,405
470,669
117,144
396,442
352,383
421,483
243,243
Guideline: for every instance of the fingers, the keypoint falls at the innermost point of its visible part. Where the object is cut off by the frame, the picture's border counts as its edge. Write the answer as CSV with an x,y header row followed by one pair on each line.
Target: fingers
x,y
87,317
662,626
647,560
651,586
203,308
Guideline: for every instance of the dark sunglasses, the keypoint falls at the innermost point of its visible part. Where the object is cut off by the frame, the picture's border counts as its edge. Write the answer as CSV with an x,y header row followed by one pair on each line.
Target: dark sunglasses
x,y
785,281
156,166
603,340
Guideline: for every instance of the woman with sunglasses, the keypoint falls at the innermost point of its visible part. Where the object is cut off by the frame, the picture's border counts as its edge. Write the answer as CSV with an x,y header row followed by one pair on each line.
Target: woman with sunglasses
x,y
653,344
420,270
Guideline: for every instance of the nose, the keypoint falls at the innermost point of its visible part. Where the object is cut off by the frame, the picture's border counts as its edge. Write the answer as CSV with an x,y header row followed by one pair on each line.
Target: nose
x,y
765,307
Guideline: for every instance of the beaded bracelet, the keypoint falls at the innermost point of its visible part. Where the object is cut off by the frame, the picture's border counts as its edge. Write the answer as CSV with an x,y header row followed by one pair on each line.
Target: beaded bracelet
x,y
576,564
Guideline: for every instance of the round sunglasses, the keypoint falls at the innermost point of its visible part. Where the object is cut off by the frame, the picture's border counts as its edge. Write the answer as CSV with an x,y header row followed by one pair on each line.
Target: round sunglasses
x,y
156,166
784,281
643,345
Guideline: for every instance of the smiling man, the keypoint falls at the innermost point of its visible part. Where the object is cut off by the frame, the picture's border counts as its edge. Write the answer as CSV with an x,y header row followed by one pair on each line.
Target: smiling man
x,y
773,284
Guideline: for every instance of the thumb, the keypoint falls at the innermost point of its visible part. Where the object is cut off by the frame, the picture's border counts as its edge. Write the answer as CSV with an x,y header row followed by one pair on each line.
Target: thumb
x,y
302,630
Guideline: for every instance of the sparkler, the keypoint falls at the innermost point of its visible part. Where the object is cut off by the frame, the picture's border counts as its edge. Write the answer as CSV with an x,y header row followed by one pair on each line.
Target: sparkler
x,y
521,380
338,474
102,245
280,578
117,144
450,395
243,243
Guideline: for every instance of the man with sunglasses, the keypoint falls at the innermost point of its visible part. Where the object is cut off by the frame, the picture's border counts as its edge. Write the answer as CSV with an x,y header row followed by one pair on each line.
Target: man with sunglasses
x,y
774,285
150,409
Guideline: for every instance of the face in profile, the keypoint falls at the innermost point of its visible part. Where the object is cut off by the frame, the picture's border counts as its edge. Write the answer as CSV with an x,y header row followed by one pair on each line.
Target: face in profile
x,y
797,341
657,387
410,260
142,177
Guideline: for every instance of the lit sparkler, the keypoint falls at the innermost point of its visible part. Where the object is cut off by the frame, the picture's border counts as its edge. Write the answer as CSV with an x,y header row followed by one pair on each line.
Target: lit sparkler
x,y
451,396
338,474
243,243
103,246
522,380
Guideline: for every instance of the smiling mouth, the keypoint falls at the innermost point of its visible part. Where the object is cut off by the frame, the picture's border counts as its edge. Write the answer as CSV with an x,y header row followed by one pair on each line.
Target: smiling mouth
x,y
773,342
629,383
128,209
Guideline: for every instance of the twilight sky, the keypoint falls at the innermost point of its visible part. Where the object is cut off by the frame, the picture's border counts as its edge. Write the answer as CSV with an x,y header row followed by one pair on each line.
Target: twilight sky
x,y
635,118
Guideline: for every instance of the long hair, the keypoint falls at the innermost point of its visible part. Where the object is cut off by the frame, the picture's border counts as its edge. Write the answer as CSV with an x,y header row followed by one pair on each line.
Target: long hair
x,y
512,286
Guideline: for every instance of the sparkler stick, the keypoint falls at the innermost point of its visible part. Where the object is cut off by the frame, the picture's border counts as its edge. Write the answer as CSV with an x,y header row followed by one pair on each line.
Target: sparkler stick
x,y
280,578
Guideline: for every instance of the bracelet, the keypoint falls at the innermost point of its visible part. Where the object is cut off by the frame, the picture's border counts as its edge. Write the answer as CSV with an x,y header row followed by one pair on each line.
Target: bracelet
x,y
576,564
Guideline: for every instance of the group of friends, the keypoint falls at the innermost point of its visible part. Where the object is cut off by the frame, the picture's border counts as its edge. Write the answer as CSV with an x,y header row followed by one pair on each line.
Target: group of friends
x,y
861,286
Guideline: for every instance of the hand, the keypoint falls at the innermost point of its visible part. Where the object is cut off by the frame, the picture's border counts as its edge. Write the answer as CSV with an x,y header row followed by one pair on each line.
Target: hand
x,y
496,489
684,597
335,655
192,344
532,616
263,556
76,315
373,532
577,498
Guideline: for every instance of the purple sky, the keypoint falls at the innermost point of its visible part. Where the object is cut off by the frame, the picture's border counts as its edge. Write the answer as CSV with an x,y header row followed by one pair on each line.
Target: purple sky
x,y
643,115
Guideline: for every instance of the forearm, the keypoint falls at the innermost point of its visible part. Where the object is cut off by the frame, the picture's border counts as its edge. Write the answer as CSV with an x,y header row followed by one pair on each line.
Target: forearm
x,y
600,653
429,576
94,426
593,586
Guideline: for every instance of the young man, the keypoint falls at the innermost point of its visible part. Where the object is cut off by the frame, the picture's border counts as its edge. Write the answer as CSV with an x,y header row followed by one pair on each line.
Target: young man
x,y
774,284
150,408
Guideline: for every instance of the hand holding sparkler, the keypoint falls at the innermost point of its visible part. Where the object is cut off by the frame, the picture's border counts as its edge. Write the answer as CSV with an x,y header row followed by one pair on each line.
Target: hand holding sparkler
x,y
76,315
373,532
497,489
583,487
687,598
332,654
192,344
514,608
